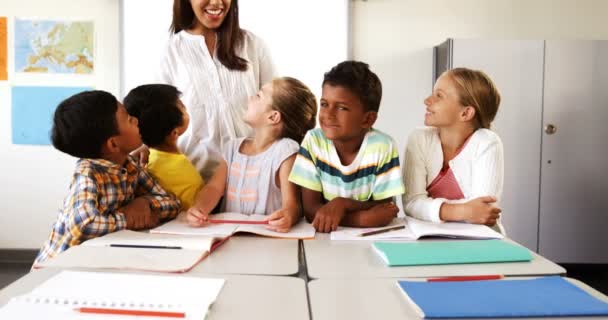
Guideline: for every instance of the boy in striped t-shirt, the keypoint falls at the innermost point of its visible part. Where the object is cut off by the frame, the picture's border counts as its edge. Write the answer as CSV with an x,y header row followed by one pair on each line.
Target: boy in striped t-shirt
x,y
349,172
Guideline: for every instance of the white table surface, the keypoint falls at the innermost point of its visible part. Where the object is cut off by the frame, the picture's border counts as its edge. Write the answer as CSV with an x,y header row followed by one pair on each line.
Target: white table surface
x,y
354,299
242,297
356,259
252,255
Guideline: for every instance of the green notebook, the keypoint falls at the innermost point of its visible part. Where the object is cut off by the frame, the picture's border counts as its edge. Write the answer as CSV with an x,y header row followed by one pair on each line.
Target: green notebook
x,y
450,252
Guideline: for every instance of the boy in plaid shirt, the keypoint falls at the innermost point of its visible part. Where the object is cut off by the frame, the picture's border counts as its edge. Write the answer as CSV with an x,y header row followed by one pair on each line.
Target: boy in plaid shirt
x,y
109,191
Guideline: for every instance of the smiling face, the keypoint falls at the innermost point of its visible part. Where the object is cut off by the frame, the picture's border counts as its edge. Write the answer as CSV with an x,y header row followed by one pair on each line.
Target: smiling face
x,y
342,116
209,13
443,108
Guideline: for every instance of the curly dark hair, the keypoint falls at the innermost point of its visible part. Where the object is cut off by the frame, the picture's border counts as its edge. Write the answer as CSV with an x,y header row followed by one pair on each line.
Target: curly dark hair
x,y
156,110
84,122
359,79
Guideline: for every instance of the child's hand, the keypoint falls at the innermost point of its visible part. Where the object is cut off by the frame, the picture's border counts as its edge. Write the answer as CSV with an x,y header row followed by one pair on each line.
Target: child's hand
x,y
482,210
328,217
196,217
142,154
139,215
282,220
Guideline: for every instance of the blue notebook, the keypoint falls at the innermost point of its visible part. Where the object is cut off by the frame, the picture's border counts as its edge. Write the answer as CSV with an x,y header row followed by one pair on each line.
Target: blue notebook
x,y
541,297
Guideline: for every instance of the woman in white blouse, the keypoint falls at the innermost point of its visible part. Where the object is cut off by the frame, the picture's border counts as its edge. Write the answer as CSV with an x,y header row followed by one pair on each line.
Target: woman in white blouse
x,y
217,66
454,167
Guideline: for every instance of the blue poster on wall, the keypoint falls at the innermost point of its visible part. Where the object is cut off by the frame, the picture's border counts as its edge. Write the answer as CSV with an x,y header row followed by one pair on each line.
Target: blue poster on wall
x,y
32,112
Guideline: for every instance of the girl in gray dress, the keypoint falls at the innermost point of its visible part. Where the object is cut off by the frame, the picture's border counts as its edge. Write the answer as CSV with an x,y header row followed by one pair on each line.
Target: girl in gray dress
x,y
253,178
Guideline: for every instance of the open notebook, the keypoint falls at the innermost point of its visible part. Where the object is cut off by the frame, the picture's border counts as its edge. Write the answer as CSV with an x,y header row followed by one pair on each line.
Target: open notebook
x,y
541,297
416,229
237,222
68,294
134,250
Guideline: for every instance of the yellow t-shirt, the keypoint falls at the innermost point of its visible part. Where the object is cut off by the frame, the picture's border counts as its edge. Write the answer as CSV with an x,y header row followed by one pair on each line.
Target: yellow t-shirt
x,y
176,174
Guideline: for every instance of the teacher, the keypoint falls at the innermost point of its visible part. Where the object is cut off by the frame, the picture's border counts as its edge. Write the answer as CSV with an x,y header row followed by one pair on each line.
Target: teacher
x,y
216,65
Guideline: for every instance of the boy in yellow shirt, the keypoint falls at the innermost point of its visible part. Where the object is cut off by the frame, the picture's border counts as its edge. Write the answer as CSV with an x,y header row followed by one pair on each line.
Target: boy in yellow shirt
x,y
162,119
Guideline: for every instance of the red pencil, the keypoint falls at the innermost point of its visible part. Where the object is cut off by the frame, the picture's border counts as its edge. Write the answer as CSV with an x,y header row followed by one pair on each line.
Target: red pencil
x,y
126,312
467,278
238,221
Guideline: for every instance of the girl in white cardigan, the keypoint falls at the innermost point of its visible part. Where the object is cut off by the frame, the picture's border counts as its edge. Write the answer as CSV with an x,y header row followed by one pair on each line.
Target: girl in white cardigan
x,y
454,167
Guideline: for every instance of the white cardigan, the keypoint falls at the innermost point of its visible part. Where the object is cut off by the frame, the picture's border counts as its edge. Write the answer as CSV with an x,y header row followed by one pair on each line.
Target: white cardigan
x,y
478,169
215,96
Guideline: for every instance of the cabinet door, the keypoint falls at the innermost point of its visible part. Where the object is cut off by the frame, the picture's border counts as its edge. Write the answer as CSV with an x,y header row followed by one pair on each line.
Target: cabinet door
x,y
517,69
574,187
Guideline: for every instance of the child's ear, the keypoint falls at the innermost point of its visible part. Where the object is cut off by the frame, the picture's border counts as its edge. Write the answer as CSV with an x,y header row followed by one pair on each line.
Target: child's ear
x,y
274,117
468,113
369,119
111,146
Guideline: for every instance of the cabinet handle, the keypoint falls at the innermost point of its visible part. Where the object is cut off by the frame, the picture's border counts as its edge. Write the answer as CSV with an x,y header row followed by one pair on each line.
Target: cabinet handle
x,y
550,129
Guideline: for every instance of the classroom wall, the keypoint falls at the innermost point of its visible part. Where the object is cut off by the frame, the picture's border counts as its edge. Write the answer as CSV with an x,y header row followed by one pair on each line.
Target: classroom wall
x,y
396,37
34,179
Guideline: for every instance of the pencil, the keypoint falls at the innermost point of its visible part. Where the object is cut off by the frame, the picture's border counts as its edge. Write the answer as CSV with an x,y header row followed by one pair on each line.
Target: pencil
x,y
370,233
466,278
142,246
238,221
126,312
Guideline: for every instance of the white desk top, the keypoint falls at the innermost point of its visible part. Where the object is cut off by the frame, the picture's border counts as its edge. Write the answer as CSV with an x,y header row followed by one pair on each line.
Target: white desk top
x,y
354,299
356,259
242,297
253,255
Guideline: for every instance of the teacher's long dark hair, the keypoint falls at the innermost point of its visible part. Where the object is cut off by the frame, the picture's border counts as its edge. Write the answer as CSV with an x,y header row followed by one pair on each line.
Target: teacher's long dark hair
x,y
230,35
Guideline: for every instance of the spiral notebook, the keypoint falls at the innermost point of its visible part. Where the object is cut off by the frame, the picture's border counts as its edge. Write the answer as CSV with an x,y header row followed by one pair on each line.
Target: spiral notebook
x,y
115,296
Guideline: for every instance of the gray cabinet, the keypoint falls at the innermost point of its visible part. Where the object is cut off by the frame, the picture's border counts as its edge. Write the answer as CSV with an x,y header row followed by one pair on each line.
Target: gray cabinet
x,y
555,183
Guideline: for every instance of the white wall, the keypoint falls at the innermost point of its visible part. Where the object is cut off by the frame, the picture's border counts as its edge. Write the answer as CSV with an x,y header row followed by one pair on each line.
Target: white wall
x,y
396,38
34,179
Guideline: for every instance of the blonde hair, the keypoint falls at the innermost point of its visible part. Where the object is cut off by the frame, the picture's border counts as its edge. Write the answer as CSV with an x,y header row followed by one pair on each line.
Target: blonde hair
x,y
297,105
476,89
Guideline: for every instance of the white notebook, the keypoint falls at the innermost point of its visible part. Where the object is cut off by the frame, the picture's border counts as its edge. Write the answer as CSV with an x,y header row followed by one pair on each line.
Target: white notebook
x,y
61,296
416,229
137,251
301,230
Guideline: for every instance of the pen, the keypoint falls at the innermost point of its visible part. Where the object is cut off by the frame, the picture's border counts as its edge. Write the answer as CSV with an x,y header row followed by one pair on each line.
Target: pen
x,y
466,278
369,233
238,221
142,246
126,312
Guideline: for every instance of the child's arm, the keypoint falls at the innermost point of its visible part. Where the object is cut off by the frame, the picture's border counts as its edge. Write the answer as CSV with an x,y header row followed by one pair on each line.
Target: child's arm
x,y
208,197
289,214
161,202
346,212
84,220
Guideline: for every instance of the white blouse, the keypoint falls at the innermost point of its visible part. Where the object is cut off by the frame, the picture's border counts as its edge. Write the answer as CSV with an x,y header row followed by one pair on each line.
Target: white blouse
x,y
215,96
478,169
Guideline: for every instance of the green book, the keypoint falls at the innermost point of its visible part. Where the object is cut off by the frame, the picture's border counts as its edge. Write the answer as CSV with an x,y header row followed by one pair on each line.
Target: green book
x,y
450,252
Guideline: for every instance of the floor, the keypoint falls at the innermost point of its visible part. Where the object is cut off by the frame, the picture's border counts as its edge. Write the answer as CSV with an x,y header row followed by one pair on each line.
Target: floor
x,y
595,275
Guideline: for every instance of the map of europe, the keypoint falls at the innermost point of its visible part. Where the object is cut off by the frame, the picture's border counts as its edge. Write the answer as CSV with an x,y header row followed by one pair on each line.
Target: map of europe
x,y
47,46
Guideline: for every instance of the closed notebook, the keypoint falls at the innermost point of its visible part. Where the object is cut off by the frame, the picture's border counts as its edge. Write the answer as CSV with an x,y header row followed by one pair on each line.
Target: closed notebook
x,y
132,250
541,297
65,294
238,223
450,252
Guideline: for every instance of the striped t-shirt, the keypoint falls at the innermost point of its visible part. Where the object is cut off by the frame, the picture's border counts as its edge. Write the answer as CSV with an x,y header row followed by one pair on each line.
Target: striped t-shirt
x,y
375,173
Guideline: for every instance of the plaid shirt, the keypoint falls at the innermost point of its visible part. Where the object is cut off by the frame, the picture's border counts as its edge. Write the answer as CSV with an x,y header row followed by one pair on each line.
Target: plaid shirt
x,y
98,190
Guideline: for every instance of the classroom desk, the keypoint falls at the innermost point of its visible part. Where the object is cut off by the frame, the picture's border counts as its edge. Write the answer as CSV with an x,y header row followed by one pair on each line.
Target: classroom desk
x,y
356,259
242,297
253,255
353,299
